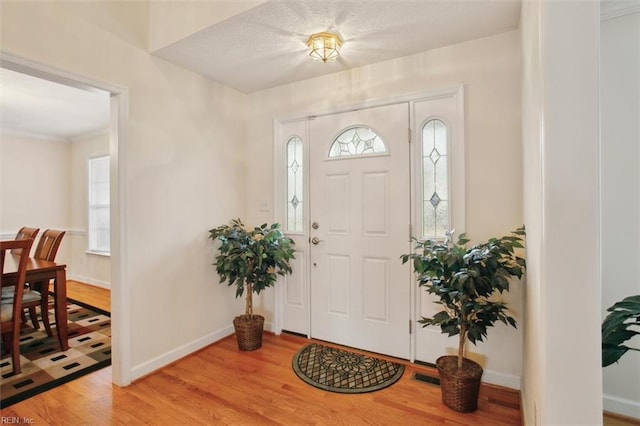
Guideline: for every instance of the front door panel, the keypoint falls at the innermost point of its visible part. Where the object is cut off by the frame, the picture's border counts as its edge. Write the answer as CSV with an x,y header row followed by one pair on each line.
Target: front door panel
x,y
360,291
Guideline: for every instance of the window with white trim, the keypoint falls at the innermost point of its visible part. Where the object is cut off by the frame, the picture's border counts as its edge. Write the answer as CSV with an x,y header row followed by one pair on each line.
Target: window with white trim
x,y
98,221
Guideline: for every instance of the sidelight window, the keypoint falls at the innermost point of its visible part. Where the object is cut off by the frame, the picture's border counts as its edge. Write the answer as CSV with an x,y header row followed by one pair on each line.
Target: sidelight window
x,y
294,184
435,179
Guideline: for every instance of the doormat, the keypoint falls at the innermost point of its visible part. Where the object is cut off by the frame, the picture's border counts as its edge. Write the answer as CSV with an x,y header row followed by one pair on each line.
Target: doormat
x,y
44,366
337,370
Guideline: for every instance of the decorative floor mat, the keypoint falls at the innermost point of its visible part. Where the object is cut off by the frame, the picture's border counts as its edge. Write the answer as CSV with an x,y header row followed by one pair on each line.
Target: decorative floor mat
x,y
337,370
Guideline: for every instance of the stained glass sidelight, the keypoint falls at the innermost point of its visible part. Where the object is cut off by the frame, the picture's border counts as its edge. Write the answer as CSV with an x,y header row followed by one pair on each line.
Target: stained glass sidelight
x,y
294,184
435,190
357,141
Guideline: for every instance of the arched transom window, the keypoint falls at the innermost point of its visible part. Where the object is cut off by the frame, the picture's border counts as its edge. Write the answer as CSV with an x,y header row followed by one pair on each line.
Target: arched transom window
x,y
357,141
435,179
294,184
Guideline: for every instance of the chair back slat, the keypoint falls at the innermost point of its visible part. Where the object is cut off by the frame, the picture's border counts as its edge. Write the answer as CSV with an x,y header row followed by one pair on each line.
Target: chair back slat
x,y
48,245
25,233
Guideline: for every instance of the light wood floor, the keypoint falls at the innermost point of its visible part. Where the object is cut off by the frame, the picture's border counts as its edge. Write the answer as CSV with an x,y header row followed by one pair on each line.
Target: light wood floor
x,y
220,385
92,295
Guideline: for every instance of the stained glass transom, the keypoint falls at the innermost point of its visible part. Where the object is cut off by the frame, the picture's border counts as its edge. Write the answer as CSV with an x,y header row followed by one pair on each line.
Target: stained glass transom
x,y
294,184
435,179
357,141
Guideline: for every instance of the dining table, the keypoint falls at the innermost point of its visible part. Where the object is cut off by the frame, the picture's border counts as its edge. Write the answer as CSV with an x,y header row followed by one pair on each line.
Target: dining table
x,y
43,271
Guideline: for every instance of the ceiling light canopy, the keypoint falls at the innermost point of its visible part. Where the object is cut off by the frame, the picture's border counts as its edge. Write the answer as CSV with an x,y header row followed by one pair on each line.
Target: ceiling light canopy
x,y
324,46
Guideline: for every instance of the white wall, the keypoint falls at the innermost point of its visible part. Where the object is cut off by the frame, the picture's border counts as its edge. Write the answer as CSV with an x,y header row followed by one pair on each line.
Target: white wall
x,y
35,175
83,266
183,172
562,383
620,162
490,70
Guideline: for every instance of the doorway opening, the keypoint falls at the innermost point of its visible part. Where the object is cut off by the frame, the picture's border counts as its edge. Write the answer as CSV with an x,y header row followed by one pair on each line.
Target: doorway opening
x,y
116,100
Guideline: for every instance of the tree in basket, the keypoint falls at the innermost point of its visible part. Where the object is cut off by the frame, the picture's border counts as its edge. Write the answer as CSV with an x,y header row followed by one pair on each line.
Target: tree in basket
x,y
251,260
466,281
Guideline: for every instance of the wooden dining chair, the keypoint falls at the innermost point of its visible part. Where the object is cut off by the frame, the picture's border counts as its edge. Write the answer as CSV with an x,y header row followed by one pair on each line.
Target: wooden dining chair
x,y
24,234
37,294
11,308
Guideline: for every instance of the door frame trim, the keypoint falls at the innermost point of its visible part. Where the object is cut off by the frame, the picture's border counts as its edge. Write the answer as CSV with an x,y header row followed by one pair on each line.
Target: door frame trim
x,y
119,113
279,179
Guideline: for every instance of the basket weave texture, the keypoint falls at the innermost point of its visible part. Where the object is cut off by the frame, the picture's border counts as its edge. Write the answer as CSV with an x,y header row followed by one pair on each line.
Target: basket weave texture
x,y
249,331
460,391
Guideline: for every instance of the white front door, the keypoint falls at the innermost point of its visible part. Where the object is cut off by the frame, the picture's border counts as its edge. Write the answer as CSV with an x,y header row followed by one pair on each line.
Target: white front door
x,y
359,215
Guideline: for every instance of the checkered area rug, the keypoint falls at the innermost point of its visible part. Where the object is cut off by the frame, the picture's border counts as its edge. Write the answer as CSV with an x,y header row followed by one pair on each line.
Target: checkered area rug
x,y
337,370
44,366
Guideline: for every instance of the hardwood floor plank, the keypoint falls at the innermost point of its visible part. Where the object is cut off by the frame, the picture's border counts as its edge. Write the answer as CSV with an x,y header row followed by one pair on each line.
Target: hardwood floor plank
x,y
224,386
220,385
90,294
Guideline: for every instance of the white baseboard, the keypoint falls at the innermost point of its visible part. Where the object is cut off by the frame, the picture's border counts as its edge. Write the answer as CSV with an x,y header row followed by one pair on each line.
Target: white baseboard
x,y
91,281
268,326
167,358
622,406
500,379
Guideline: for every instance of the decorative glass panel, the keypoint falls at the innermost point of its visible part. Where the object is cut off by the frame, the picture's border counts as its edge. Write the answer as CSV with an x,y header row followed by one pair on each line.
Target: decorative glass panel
x,y
294,184
357,141
435,186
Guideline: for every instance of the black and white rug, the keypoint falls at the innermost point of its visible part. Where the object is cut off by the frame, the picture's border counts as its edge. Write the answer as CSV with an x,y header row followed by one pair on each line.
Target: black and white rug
x,y
337,370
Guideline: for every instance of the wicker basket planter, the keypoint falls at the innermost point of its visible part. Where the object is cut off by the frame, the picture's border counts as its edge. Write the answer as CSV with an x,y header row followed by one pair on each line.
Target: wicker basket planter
x,y
249,331
460,388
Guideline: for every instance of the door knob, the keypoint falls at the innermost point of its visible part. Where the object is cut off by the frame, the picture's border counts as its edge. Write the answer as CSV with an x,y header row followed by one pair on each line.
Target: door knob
x,y
315,241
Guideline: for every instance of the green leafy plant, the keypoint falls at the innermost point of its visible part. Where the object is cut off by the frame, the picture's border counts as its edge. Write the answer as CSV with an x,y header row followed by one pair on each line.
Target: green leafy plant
x,y
251,258
465,281
617,329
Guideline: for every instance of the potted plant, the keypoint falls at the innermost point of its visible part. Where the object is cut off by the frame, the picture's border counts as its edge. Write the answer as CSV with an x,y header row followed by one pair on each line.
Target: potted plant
x,y
251,260
621,324
465,281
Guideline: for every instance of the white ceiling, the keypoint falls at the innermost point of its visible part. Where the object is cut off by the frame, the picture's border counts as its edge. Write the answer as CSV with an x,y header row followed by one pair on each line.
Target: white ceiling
x,y
266,46
35,107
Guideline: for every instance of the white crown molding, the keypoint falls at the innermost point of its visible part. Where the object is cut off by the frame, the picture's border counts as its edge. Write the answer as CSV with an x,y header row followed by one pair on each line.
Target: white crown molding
x,y
90,134
616,9
28,135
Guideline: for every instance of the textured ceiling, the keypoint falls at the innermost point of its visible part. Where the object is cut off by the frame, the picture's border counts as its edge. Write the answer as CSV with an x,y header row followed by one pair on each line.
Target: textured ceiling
x,y
265,46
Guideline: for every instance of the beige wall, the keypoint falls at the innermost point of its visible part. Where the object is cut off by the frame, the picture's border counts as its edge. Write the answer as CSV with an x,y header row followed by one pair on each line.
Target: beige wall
x,y
620,113
490,70
53,194
182,172
35,175
82,266
562,380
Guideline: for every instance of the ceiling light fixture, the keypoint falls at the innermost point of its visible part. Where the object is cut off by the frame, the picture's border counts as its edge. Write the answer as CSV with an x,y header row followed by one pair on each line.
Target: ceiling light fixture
x,y
324,46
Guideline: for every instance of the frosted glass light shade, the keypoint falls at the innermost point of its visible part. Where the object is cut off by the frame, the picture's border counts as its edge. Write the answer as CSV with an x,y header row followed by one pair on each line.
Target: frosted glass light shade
x,y
324,46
